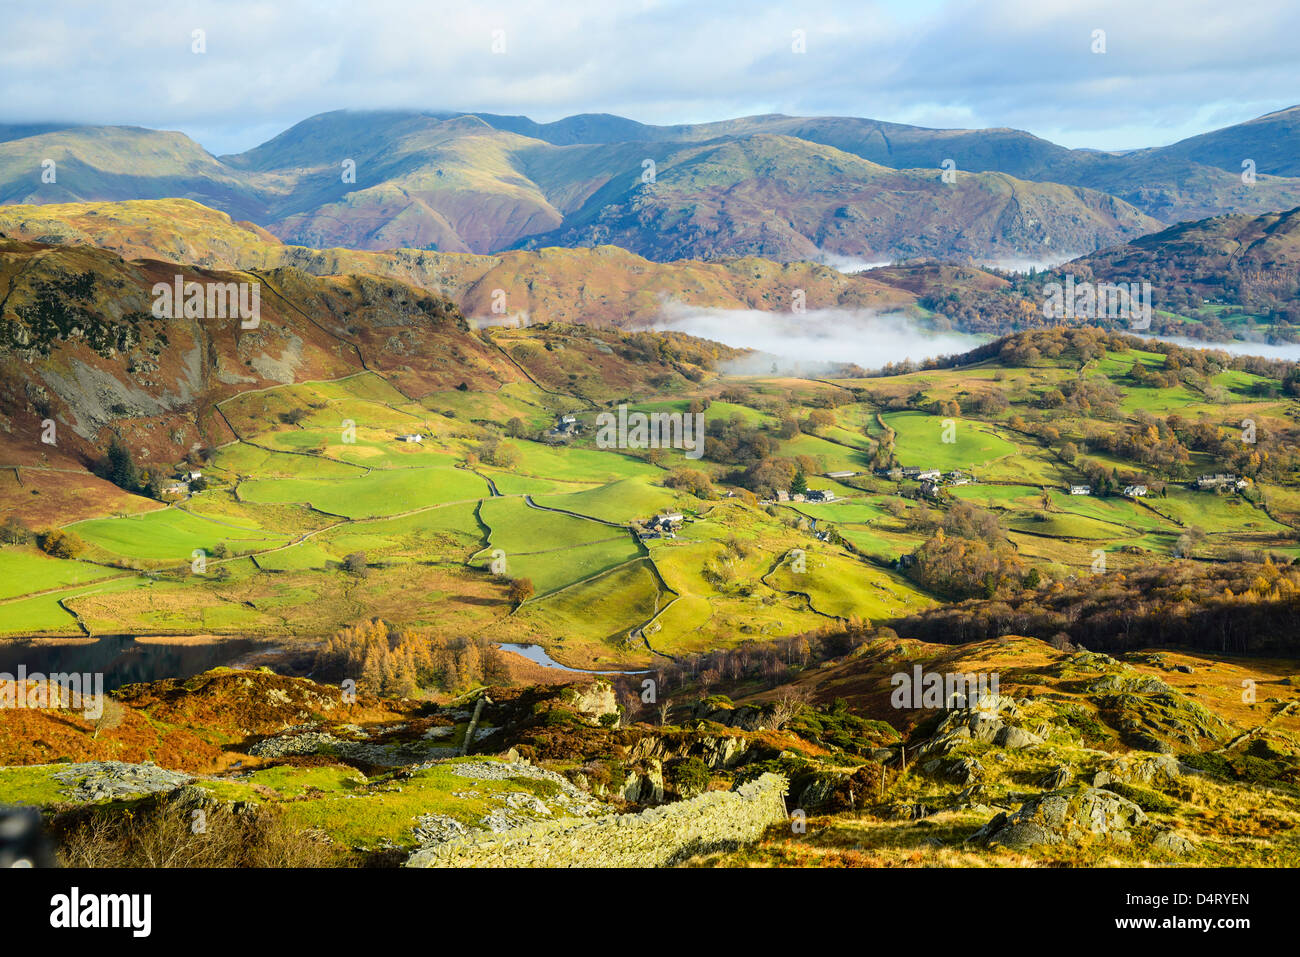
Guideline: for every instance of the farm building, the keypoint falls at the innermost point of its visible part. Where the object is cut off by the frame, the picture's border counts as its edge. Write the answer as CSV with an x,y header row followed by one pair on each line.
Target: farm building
x,y
663,525
1220,480
929,475
1080,489
840,475
413,437
820,495
1135,491
566,425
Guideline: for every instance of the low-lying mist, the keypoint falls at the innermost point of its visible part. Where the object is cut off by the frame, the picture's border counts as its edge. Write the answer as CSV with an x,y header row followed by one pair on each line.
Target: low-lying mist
x,y
1288,351
814,342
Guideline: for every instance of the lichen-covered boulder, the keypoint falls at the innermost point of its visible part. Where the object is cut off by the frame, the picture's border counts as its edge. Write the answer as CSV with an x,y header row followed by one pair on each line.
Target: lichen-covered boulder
x,y
1072,814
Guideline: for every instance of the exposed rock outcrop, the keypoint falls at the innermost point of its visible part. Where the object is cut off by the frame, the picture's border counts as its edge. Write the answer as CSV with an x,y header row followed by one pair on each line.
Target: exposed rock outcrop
x,y
1072,814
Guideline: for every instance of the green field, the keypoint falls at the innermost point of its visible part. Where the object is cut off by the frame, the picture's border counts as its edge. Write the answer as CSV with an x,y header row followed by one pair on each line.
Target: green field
x,y
623,501
375,494
921,442
25,570
439,531
170,536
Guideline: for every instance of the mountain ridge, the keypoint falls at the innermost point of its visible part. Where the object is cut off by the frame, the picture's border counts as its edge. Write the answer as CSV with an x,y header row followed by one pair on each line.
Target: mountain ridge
x,y
485,183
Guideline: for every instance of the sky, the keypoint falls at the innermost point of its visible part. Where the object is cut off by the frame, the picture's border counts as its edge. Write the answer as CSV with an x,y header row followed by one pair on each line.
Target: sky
x,y
1170,68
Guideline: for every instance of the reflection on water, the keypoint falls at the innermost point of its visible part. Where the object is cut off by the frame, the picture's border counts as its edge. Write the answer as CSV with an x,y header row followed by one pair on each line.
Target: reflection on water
x,y
537,654
123,661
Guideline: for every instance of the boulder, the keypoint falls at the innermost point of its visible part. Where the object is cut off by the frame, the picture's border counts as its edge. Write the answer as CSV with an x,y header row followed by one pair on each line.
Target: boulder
x,y
1139,768
631,787
723,752
1057,778
1172,843
652,787
962,771
1072,814
831,792
1016,738
596,700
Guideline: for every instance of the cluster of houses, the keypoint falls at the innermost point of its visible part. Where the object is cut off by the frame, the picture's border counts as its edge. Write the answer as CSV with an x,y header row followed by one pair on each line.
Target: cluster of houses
x,y
813,495
564,429
180,485
914,473
931,480
1129,491
1206,483
663,525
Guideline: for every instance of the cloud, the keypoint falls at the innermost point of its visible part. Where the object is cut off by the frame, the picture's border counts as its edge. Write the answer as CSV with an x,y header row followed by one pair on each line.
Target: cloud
x,y
1172,68
849,264
814,342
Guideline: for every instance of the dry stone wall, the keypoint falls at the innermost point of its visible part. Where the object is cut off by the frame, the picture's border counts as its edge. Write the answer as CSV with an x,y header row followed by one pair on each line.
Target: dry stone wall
x,y
657,837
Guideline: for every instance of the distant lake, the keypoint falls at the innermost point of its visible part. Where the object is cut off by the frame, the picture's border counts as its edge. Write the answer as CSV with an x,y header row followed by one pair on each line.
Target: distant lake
x,y
124,661
537,654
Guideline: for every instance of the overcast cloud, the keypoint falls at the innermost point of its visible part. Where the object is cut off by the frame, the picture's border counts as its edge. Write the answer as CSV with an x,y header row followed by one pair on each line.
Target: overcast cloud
x,y
1172,68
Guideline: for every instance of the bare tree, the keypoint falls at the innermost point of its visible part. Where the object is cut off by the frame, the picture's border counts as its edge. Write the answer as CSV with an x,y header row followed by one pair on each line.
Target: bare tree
x,y
787,706
110,716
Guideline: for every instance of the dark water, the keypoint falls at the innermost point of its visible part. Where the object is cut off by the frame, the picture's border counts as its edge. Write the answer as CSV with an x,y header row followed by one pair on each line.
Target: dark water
x,y
537,654
123,661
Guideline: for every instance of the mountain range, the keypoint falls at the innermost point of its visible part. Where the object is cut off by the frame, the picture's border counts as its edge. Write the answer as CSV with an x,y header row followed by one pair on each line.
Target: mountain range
x,y
841,190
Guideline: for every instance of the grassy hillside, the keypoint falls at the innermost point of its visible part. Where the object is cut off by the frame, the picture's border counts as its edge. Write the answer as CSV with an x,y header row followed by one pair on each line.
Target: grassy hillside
x,y
604,285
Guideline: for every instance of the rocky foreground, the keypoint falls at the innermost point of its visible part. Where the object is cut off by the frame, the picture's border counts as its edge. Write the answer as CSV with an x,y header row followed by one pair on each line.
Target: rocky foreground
x,y
1079,758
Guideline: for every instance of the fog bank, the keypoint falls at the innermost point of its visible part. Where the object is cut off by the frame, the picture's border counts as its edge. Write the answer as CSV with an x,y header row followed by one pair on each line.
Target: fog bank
x,y
1288,351
816,341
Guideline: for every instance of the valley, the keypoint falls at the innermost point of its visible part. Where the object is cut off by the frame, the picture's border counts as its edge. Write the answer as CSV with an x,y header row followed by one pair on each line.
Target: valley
x,y
324,529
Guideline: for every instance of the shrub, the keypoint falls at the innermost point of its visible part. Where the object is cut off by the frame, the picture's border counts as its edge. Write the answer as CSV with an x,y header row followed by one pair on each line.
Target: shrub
x,y
61,544
162,835
689,776
521,589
